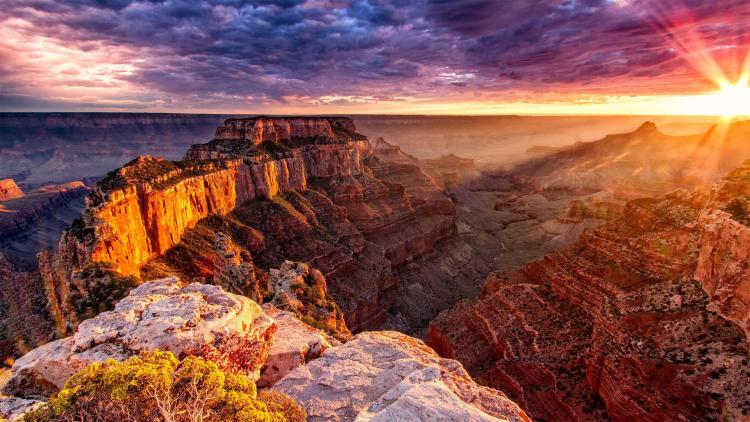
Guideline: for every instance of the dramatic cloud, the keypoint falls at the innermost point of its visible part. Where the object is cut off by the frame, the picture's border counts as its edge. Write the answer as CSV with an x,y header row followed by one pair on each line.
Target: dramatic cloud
x,y
235,55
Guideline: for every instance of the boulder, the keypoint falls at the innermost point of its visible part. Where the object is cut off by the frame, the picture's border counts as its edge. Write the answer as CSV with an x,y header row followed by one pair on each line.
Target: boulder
x,y
293,344
162,314
386,376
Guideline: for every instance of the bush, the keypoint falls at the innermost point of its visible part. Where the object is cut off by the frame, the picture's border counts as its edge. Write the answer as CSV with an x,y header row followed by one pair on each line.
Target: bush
x,y
157,386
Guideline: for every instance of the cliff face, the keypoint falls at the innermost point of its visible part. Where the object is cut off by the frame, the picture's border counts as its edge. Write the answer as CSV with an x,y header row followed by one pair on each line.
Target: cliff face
x,y
725,249
324,200
274,129
644,318
9,190
144,219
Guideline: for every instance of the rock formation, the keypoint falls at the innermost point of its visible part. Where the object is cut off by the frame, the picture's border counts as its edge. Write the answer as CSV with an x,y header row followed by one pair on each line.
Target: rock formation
x,y
378,376
24,320
234,272
294,344
196,319
725,249
9,190
376,229
640,319
13,409
34,221
388,376
304,292
275,129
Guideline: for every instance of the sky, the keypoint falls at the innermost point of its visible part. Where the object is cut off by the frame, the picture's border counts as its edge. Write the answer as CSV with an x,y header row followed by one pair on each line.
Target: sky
x,y
371,56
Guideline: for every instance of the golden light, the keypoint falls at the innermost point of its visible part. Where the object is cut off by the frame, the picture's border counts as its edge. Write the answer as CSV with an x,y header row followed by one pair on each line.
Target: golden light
x,y
733,99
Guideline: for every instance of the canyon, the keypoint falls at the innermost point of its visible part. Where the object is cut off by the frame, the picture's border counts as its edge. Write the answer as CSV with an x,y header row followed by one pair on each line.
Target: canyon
x,y
33,221
633,321
600,280
377,228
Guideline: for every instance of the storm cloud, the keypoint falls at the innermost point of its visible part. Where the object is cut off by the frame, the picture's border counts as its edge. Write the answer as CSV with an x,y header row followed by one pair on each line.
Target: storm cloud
x,y
211,54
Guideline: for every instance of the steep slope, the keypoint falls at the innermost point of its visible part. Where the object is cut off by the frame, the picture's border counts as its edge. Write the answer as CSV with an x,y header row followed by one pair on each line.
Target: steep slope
x,y
24,321
641,319
9,190
304,189
643,163
34,222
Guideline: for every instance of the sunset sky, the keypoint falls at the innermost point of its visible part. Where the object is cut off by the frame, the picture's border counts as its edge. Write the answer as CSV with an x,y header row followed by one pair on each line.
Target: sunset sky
x,y
337,56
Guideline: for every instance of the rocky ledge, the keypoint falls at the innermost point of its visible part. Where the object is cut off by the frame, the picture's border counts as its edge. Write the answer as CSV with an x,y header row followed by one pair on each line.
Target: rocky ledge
x,y
196,319
377,376
389,376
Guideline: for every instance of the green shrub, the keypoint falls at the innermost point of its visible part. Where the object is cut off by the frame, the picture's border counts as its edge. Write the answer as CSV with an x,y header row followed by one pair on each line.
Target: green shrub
x,y
158,387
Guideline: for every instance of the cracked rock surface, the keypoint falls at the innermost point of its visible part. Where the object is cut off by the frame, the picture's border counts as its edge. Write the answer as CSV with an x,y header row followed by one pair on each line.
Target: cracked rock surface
x,y
160,314
385,376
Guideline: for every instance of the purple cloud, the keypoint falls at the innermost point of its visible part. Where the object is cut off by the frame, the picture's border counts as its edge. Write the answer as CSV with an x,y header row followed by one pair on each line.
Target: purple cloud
x,y
256,52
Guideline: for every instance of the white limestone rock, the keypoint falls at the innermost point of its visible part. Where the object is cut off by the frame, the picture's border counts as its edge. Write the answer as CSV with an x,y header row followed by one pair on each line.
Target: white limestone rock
x,y
386,376
162,315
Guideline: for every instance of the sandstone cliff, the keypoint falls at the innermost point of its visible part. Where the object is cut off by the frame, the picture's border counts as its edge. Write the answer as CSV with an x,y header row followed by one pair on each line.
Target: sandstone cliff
x,y
644,318
9,190
274,129
323,199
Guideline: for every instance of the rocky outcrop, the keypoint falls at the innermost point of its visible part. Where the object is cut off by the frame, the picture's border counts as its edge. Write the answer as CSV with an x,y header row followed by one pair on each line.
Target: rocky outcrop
x,y
386,376
196,319
24,320
725,249
362,221
294,344
637,320
234,272
9,190
723,267
304,291
274,129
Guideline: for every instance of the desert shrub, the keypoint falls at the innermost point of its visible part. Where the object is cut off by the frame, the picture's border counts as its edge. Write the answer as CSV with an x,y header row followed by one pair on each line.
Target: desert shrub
x,y
281,403
158,387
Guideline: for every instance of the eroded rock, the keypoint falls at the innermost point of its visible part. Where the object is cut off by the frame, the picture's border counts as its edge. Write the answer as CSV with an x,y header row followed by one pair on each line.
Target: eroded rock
x,y
388,376
194,319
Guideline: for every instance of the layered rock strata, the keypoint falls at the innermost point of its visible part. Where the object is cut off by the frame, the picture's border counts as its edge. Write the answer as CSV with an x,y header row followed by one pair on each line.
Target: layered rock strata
x,y
9,190
274,129
34,221
641,319
388,376
381,232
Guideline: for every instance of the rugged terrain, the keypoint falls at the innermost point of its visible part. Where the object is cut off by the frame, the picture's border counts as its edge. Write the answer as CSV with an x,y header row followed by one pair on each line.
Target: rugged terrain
x,y
33,221
644,318
307,189
374,377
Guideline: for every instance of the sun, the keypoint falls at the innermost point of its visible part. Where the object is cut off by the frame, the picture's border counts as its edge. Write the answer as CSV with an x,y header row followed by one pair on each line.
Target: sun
x,y
733,100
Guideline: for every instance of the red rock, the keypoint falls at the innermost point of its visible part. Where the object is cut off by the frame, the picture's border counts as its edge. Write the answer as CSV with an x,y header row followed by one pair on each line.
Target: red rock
x,y
275,129
9,190
616,325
